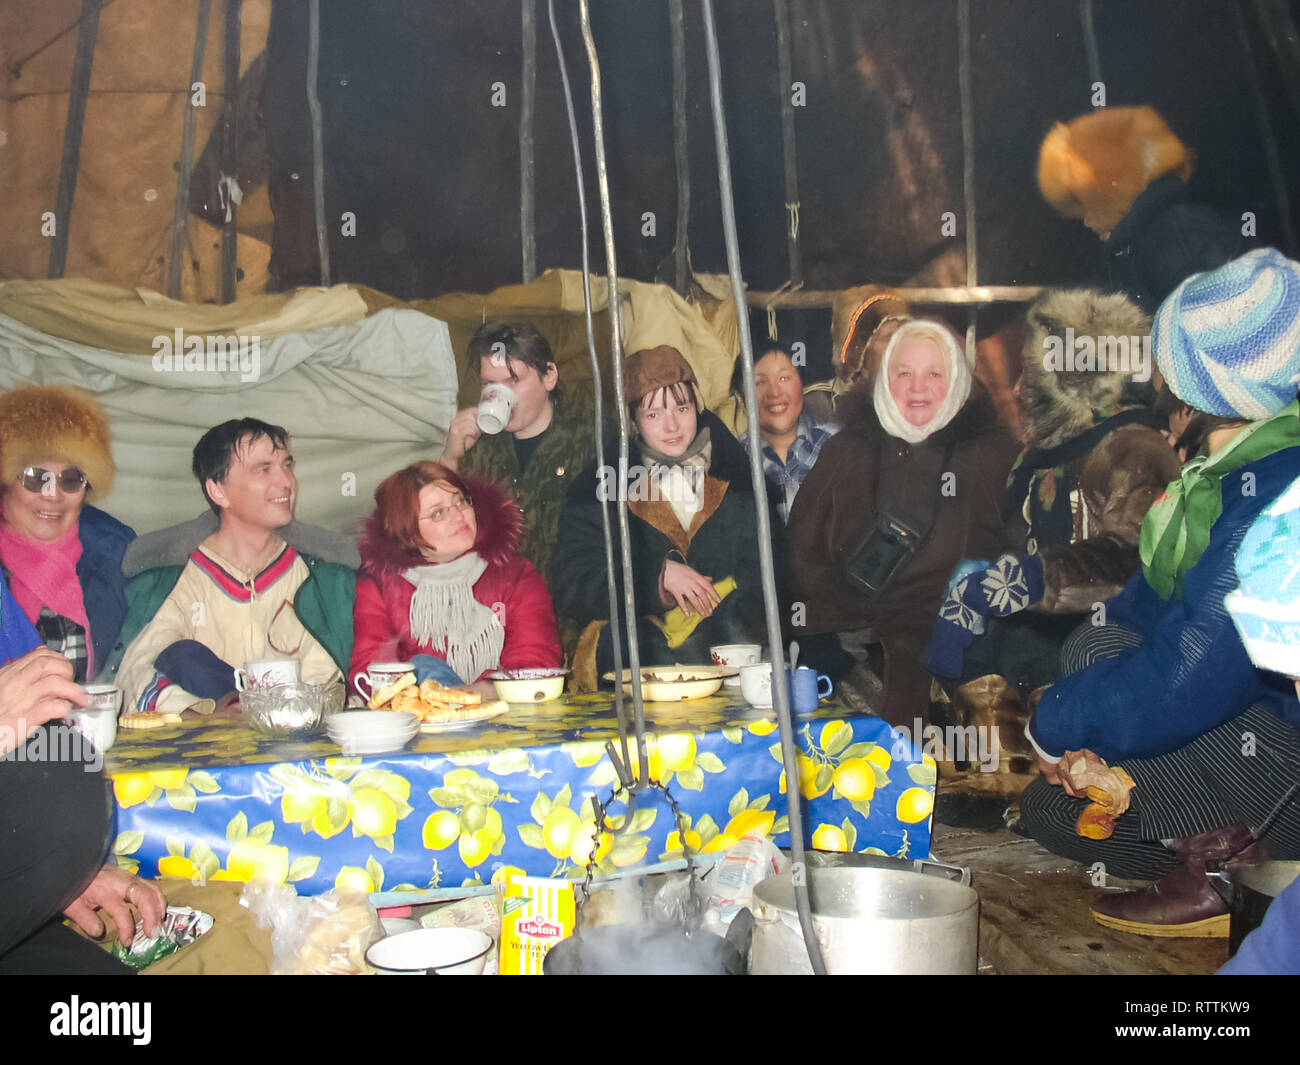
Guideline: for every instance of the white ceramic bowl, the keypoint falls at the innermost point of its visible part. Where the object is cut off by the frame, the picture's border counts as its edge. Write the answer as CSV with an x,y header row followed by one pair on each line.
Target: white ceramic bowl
x,y
528,685
432,951
675,684
371,731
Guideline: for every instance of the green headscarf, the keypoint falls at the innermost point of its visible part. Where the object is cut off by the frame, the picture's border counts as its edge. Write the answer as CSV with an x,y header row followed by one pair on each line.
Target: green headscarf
x,y
1177,527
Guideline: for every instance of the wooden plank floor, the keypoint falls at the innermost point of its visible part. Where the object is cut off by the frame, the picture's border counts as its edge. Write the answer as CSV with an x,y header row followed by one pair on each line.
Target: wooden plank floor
x,y
1034,915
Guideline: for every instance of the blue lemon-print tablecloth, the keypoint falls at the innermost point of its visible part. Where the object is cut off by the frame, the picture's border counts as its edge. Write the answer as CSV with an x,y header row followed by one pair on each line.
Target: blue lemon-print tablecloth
x,y
213,799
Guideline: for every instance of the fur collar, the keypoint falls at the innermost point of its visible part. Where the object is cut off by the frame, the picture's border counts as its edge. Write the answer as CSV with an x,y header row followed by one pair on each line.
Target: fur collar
x,y
1150,202
500,524
1061,404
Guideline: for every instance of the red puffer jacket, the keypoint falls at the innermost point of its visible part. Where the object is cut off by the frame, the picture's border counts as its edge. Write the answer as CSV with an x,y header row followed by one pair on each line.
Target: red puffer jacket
x,y
381,613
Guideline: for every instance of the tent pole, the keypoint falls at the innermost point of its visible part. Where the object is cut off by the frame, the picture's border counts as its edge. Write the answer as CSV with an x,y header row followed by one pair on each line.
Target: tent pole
x,y
229,153
317,141
781,11
681,155
181,212
1266,136
528,96
771,607
615,628
616,361
968,164
87,34
1090,41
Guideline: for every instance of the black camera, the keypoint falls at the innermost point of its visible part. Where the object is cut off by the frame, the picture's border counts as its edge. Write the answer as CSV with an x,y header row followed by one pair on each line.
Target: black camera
x,y
883,552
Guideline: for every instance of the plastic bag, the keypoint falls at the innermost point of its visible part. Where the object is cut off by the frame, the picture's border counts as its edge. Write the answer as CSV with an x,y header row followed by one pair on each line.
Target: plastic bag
x,y
180,927
727,888
328,934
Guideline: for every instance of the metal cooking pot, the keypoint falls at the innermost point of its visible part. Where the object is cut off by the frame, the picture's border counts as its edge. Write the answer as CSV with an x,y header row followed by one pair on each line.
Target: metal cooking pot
x,y
883,916
1248,889
645,950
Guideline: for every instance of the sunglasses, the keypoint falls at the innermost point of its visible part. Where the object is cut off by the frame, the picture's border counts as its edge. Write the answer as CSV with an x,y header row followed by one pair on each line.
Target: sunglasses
x,y
40,480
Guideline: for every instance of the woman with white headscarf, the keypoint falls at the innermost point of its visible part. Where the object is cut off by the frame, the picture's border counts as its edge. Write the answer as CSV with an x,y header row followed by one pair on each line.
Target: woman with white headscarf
x,y
908,488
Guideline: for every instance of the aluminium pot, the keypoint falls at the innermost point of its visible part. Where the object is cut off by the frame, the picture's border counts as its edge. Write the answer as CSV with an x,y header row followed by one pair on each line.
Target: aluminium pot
x,y
1249,889
887,916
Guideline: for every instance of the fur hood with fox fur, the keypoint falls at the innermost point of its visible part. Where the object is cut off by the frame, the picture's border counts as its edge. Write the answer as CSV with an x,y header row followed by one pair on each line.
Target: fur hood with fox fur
x,y
1061,404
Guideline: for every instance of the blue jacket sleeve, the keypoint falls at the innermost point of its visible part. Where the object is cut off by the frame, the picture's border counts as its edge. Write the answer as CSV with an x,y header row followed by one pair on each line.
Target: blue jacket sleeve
x,y
1190,675
17,634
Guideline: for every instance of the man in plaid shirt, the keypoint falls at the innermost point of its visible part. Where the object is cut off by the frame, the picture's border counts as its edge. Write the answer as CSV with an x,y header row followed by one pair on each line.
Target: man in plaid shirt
x,y
792,440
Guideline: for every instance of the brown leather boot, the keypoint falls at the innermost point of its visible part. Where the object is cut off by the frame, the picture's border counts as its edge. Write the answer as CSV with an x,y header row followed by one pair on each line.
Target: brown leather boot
x,y
1183,904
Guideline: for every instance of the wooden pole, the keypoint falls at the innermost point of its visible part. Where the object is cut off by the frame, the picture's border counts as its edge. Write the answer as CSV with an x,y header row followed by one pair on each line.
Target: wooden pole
x,y
968,164
87,34
681,155
528,95
229,154
181,212
956,296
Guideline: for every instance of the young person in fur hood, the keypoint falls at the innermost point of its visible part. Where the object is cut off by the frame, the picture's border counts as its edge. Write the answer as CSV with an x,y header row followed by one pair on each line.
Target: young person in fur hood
x,y
1075,500
921,446
1124,172
442,582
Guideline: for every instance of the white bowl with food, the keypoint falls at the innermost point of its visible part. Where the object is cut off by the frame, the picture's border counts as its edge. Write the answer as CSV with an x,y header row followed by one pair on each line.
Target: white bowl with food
x,y
540,685
675,684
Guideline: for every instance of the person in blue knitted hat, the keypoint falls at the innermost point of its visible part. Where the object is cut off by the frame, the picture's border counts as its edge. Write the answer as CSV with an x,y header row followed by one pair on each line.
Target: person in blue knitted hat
x,y
1165,690
1266,611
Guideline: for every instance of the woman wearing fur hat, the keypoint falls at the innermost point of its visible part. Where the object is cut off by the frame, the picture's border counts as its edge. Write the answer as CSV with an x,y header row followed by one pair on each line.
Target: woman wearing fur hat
x,y
1078,494
61,556
441,575
909,486
1124,172
692,521
1166,691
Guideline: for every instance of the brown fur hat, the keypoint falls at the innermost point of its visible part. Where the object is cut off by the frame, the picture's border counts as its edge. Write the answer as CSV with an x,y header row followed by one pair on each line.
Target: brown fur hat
x,y
55,424
1058,403
1097,165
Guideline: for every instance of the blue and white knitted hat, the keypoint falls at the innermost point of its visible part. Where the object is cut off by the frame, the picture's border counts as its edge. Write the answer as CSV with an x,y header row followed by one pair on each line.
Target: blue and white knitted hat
x,y
1266,608
1228,341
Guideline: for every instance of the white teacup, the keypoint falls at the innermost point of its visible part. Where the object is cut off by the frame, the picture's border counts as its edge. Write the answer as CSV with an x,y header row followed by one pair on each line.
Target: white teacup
x,y
494,407
735,654
97,720
380,675
756,684
266,674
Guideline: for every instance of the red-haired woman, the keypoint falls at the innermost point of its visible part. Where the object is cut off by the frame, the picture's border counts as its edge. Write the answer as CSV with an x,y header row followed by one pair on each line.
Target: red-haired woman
x,y
441,575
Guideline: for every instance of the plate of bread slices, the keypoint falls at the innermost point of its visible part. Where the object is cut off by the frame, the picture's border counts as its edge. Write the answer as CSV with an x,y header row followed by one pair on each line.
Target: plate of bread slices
x,y
437,707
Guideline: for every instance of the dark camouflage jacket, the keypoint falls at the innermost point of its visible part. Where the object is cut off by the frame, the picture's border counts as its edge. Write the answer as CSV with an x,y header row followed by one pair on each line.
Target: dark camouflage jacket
x,y
567,446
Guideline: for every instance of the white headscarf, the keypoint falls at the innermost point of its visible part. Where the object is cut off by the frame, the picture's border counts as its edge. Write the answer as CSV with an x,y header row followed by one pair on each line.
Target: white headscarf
x,y
959,378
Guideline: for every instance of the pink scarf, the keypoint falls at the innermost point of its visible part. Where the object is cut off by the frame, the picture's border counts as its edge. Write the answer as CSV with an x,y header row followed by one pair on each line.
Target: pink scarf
x,y
43,574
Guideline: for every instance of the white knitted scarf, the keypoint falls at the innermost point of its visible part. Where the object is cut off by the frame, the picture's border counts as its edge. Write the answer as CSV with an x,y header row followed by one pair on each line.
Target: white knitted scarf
x,y
445,614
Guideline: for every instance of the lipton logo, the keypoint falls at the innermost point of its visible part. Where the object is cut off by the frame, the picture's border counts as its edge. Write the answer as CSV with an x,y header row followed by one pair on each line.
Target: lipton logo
x,y
538,928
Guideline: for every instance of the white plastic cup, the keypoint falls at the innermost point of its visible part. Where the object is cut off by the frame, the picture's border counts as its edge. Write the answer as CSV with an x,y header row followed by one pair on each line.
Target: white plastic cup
x,y
756,684
97,720
380,675
494,407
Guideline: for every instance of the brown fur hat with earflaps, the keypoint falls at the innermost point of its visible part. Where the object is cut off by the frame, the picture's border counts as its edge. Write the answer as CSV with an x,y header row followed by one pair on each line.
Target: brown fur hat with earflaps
x,y
1060,403
1095,166
55,424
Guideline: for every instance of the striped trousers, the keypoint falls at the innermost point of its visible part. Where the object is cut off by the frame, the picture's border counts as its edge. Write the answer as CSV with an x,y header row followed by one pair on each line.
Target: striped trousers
x,y
1242,771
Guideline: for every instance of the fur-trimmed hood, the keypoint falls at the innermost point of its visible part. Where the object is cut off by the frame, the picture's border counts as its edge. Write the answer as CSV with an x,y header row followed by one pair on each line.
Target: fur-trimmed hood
x,y
500,525
1058,403
857,415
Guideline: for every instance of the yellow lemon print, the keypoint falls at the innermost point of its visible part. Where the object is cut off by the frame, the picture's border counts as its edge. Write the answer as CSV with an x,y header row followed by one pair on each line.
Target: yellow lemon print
x,y
354,878
674,841
250,859
914,805
132,788
881,757
475,847
298,806
761,728
175,865
750,822
373,813
440,830
676,751
558,830
721,842
855,779
580,851
829,838
168,778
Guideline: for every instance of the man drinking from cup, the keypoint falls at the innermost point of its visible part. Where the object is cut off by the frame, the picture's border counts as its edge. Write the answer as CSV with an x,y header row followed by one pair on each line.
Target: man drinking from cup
x,y
243,597
525,432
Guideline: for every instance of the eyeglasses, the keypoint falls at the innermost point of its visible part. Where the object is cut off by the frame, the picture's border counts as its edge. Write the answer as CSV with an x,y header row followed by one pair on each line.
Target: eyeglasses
x,y
443,513
38,479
